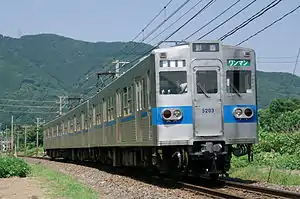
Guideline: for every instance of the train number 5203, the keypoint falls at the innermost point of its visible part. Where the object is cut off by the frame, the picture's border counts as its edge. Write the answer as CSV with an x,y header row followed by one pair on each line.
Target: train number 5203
x,y
208,110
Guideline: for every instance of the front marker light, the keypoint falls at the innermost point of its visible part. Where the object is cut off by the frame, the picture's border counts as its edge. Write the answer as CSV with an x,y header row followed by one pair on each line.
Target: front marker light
x,y
166,114
237,112
178,114
248,112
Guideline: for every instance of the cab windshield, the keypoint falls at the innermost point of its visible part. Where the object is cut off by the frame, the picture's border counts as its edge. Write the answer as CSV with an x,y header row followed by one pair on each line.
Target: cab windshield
x,y
238,81
172,82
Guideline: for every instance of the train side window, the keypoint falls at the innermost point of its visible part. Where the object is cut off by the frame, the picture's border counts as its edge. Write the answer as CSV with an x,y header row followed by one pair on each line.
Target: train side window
x,y
238,81
143,94
62,127
57,130
69,126
75,123
78,124
82,121
66,127
110,109
206,81
129,100
104,109
148,91
172,82
94,115
125,101
138,95
118,103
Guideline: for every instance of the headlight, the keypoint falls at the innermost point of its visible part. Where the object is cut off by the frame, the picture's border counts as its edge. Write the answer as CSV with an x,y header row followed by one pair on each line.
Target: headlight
x,y
166,114
177,113
248,112
237,112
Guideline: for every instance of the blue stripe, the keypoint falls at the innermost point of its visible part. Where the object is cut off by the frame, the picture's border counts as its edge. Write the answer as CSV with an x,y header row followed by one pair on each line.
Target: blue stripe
x,y
127,119
187,118
229,118
110,123
144,114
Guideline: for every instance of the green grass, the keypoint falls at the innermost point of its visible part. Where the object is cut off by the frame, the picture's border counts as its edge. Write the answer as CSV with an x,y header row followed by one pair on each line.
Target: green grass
x,y
264,174
61,185
258,170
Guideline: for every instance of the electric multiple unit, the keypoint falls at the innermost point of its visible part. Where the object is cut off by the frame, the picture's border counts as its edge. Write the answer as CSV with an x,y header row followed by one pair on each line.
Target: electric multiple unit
x,y
181,108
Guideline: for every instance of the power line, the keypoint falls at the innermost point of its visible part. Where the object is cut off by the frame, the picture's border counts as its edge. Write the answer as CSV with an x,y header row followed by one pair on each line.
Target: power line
x,y
143,30
252,18
211,20
170,16
27,100
13,105
122,50
278,62
152,20
268,26
221,24
155,29
296,62
194,6
183,25
173,33
26,112
275,57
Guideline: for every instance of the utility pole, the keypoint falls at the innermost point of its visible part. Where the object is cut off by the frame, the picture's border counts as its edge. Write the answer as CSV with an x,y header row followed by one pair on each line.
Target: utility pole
x,y
117,62
18,145
37,135
25,139
12,134
296,62
115,74
61,103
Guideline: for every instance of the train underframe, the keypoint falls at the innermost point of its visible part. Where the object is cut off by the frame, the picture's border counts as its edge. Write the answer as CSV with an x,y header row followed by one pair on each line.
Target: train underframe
x,y
203,158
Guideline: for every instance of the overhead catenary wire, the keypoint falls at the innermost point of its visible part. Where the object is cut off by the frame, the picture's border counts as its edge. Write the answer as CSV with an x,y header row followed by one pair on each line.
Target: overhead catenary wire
x,y
21,100
216,17
25,106
194,6
276,57
221,24
173,33
268,26
252,18
33,112
157,27
155,17
143,30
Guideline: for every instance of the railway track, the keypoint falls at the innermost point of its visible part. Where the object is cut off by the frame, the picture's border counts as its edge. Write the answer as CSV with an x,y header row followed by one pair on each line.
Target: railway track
x,y
218,189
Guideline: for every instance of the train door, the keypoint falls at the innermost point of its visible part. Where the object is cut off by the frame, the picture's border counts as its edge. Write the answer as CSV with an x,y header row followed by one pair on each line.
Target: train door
x,y
207,105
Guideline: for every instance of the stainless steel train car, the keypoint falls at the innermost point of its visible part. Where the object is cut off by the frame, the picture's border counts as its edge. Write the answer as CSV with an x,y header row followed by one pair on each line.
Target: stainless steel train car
x,y
185,108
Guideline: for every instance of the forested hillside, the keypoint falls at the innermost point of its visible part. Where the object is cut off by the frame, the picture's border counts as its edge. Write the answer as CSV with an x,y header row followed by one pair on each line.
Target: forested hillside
x,y
42,67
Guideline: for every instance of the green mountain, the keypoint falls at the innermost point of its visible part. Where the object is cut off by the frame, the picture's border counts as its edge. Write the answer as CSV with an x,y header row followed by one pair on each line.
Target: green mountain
x,y
45,66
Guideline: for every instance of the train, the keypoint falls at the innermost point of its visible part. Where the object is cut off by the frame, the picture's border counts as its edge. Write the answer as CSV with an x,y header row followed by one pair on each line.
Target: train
x,y
180,109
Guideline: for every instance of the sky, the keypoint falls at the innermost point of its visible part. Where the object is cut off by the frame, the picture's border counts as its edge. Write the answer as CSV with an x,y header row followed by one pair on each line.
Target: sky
x,y
120,20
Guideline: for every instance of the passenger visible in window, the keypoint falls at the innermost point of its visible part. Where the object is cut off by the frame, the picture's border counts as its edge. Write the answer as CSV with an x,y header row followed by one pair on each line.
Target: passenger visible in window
x,y
173,82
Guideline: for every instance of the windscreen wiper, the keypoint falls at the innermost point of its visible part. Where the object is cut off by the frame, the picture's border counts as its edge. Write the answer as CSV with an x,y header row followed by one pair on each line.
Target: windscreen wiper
x,y
235,89
203,90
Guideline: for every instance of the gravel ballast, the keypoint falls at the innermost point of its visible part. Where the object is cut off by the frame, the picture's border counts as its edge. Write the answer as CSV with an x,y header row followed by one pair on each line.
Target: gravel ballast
x,y
111,186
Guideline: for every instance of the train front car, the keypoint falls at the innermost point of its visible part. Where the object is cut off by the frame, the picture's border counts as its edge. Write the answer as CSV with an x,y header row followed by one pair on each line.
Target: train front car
x,y
205,104
224,105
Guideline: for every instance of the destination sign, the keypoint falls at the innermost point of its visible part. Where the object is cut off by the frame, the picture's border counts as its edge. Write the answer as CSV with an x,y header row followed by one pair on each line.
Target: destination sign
x,y
238,62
